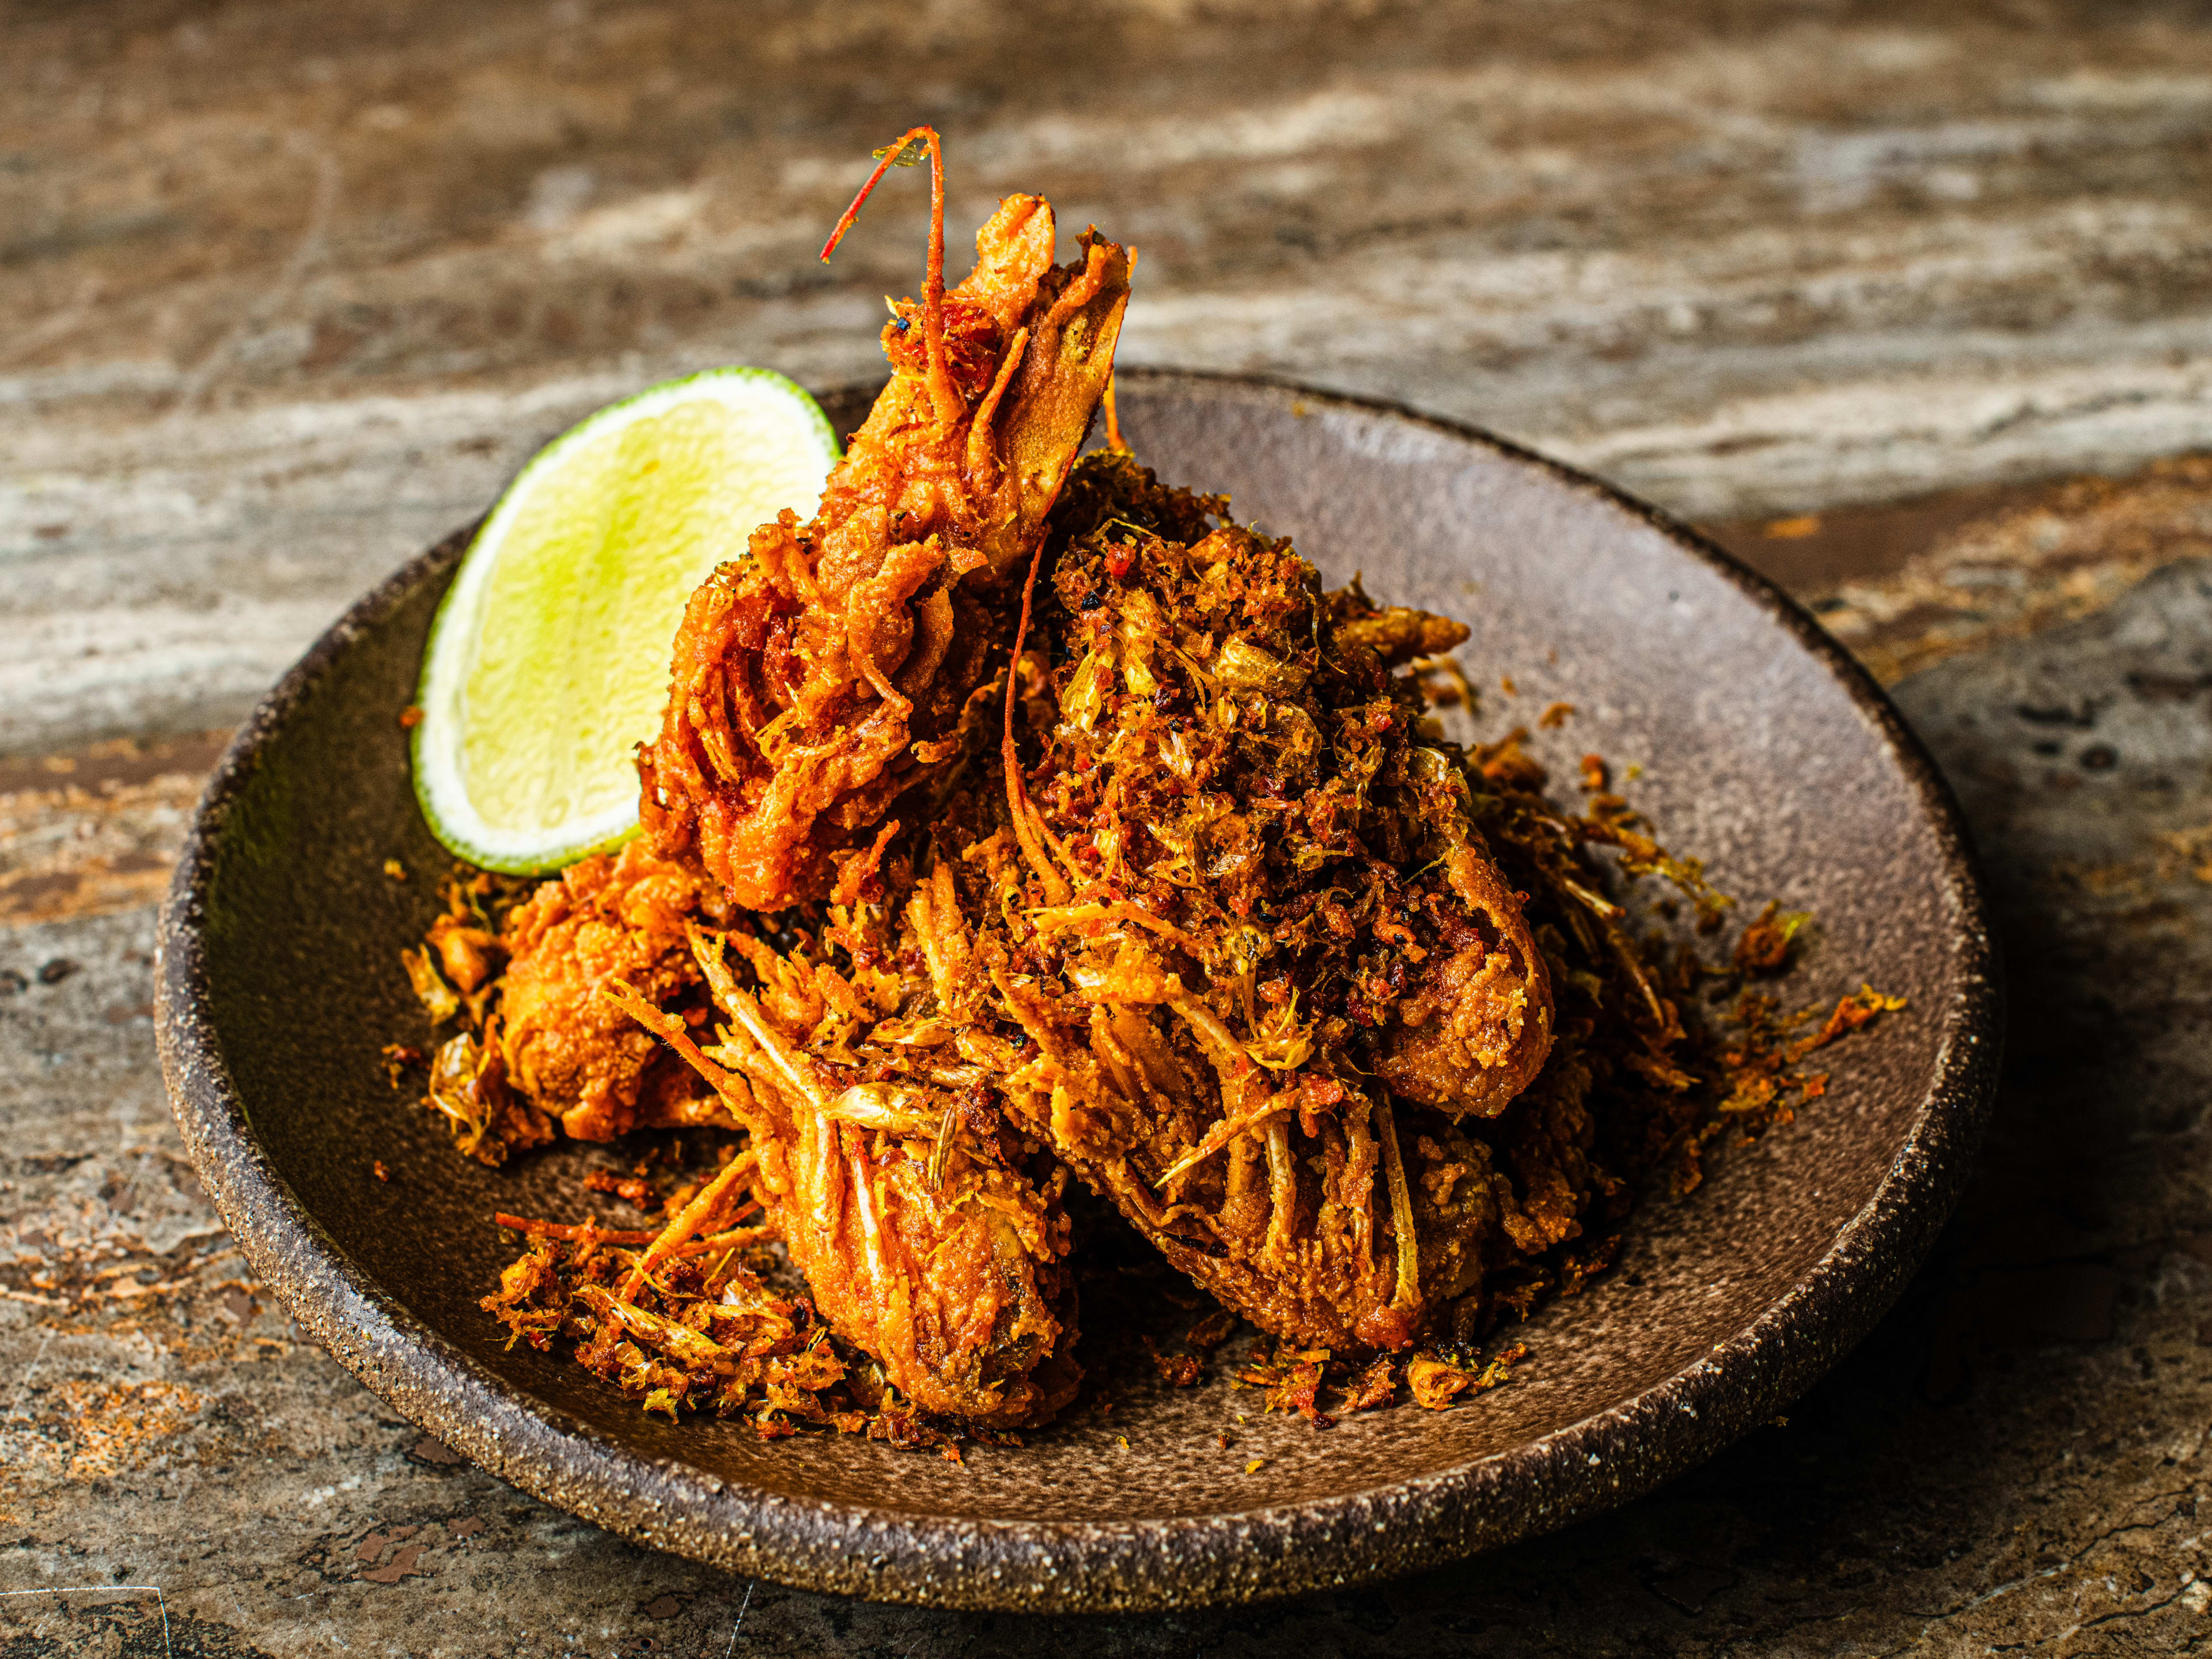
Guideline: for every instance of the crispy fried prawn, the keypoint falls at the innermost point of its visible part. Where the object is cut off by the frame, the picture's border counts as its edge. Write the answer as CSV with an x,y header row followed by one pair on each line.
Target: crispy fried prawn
x,y
824,675
1261,954
929,1240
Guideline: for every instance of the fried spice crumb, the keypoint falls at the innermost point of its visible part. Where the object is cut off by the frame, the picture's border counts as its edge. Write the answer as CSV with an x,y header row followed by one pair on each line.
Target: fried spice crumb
x,y
633,1188
1765,946
399,1057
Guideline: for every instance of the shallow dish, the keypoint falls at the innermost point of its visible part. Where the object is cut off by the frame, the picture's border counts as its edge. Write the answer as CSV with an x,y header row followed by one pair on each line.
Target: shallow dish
x,y
1764,750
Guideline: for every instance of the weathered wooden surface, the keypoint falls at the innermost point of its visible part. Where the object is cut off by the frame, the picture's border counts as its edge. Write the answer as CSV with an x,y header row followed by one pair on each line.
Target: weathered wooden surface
x,y
290,290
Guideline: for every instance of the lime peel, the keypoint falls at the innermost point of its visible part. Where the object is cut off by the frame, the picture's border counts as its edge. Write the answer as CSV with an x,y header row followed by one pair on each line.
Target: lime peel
x,y
548,661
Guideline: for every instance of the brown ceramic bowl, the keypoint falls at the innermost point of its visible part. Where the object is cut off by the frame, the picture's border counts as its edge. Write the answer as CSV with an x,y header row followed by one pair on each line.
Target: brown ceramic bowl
x,y
1763,748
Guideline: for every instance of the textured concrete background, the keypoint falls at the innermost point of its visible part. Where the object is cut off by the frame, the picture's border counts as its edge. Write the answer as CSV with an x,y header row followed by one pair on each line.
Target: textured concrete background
x,y
1913,306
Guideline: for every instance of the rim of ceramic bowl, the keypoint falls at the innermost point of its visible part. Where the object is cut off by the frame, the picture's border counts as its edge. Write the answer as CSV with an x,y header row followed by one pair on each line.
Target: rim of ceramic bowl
x,y
1574,1471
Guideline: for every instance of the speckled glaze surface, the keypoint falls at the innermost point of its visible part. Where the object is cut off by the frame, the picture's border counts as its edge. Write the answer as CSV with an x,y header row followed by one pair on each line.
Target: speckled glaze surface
x,y
1763,749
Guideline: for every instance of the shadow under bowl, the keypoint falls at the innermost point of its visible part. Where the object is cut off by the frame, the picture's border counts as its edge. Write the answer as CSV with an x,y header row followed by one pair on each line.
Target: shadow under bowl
x,y
1764,748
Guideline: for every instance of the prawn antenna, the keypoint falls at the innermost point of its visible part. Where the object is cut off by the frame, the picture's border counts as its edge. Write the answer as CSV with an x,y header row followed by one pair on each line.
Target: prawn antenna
x,y
911,146
1028,822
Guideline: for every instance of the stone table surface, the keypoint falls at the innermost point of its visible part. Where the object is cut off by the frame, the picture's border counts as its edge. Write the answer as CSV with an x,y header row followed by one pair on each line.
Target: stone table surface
x,y
1911,306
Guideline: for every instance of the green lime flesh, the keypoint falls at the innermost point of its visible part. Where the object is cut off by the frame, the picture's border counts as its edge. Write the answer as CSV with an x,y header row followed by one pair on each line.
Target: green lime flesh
x,y
548,661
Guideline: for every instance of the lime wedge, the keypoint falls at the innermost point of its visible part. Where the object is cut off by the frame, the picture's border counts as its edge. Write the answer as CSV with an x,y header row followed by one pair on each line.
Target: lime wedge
x,y
548,663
